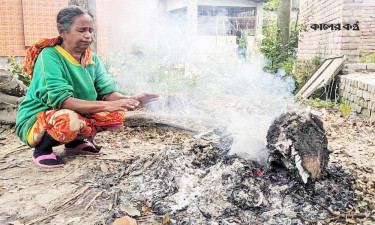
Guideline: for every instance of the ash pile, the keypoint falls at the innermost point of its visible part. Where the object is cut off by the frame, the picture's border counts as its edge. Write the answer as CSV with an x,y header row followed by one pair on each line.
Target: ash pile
x,y
199,183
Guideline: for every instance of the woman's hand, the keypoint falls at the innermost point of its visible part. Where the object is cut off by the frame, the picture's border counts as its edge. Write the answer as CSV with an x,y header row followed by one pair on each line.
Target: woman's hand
x,y
145,98
122,104
115,102
141,99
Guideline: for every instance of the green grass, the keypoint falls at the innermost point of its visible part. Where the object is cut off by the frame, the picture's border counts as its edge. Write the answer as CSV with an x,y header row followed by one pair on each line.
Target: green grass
x,y
316,102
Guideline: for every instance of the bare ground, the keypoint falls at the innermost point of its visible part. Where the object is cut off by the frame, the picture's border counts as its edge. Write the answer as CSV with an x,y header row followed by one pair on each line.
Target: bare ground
x,y
30,195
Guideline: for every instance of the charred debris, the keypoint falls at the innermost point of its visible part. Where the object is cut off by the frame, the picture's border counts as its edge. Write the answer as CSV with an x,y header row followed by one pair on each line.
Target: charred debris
x,y
199,183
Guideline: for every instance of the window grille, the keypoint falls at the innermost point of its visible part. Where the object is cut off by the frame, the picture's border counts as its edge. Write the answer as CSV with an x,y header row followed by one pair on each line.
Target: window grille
x,y
222,20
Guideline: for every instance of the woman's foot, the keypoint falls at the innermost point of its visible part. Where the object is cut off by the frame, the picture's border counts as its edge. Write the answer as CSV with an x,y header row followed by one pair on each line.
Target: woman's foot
x,y
48,161
43,155
82,147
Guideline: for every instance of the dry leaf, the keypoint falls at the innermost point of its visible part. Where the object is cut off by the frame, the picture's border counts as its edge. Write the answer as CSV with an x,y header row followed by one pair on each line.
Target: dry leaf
x,y
166,218
327,220
144,209
336,213
130,210
350,221
104,168
126,220
372,206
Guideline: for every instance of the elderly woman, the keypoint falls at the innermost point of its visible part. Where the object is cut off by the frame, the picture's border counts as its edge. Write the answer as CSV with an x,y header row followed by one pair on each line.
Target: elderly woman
x,y
70,97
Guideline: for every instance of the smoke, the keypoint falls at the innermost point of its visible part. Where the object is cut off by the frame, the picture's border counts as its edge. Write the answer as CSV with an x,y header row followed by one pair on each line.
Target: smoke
x,y
195,81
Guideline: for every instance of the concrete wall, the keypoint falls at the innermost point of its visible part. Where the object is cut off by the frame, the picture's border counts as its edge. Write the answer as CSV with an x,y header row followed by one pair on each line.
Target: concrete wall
x,y
358,91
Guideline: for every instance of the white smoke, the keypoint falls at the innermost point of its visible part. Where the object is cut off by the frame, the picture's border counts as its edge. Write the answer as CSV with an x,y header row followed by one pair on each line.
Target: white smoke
x,y
236,93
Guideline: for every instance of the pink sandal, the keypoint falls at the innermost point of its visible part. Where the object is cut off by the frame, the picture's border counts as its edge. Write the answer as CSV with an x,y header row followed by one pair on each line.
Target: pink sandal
x,y
80,147
38,159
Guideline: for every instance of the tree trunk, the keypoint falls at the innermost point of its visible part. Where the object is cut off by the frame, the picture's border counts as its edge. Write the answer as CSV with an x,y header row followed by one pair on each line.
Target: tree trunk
x,y
283,20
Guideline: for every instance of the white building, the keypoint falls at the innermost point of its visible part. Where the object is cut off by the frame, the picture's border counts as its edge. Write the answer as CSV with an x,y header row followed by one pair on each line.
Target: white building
x,y
214,23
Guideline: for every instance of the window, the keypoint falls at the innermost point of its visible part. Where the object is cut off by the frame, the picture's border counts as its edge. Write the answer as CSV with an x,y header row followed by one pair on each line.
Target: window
x,y
221,20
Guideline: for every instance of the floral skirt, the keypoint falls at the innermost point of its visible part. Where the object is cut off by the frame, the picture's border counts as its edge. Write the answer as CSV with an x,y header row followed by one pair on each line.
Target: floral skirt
x,y
66,125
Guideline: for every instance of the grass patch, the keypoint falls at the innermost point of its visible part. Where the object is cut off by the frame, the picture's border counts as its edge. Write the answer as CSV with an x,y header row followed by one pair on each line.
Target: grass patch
x,y
316,102
368,58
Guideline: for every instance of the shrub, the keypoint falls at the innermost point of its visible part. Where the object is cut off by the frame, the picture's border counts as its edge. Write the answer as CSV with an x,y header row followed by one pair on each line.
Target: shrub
x,y
368,59
18,71
279,56
152,74
345,109
304,70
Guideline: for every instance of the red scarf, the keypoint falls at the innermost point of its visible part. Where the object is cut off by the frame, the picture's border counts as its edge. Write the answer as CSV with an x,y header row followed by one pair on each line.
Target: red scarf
x,y
33,52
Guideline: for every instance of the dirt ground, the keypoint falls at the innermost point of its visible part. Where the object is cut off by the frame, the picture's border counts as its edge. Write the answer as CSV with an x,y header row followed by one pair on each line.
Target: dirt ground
x,y
30,195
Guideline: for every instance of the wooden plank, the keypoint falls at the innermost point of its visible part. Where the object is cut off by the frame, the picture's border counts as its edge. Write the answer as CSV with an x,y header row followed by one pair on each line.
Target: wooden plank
x,y
322,76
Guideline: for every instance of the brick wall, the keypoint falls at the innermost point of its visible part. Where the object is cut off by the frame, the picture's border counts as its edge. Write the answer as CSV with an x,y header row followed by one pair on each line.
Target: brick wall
x,y
351,13
24,22
328,43
12,38
323,43
39,19
367,39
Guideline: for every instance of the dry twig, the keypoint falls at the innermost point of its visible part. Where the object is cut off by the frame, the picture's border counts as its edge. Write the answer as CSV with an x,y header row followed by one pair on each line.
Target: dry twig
x,y
49,215
8,152
74,197
308,220
93,199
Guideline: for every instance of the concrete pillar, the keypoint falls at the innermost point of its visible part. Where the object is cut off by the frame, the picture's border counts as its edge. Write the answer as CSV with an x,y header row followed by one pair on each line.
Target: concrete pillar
x,y
258,24
192,16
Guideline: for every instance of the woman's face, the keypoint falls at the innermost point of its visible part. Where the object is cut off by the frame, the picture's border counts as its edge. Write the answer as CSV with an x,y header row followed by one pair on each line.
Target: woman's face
x,y
81,34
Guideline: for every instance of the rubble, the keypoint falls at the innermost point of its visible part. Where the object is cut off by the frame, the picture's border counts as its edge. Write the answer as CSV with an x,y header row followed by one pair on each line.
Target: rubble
x,y
12,92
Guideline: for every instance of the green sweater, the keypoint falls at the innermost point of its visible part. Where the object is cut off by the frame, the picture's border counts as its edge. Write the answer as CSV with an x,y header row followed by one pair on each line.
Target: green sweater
x,y
58,76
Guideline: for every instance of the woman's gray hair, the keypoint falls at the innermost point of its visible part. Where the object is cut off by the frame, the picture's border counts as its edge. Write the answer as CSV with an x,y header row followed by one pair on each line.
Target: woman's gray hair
x,y
65,17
